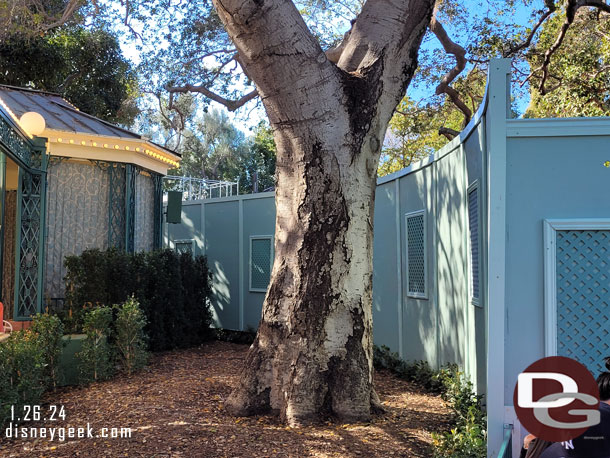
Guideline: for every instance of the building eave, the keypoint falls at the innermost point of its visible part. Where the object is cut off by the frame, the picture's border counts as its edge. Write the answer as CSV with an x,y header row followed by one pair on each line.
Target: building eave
x,y
113,149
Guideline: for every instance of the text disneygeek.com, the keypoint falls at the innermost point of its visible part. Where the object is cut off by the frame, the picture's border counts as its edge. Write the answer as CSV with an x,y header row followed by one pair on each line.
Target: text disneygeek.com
x,y
61,433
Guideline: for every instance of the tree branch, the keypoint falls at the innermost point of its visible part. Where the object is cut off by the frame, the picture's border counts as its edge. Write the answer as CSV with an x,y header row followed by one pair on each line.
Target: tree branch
x,y
380,25
67,14
459,53
450,134
374,64
524,44
231,105
220,68
572,7
62,87
599,4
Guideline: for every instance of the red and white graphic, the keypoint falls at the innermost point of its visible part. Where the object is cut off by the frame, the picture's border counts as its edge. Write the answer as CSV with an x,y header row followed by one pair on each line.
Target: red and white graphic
x,y
556,399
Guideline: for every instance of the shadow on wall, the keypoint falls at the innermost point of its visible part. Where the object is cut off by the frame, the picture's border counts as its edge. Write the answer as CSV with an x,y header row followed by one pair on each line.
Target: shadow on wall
x,y
425,313
187,227
221,295
452,276
379,304
419,314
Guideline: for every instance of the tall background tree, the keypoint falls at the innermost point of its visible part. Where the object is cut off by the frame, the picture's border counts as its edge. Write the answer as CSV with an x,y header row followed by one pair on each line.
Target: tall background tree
x,y
258,165
85,66
560,63
37,17
578,81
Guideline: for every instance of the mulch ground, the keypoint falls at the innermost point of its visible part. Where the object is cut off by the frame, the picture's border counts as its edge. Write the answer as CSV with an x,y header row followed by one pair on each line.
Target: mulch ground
x,y
175,409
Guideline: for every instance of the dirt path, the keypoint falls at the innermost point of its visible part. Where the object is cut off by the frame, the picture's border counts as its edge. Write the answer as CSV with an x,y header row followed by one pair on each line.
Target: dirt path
x,y
174,408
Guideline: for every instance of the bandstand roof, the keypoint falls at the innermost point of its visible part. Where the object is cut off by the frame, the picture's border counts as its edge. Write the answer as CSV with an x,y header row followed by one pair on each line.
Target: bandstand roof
x,y
72,133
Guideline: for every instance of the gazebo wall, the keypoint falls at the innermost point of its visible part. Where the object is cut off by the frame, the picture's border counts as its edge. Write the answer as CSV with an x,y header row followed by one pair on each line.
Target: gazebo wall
x,y
144,212
93,204
77,217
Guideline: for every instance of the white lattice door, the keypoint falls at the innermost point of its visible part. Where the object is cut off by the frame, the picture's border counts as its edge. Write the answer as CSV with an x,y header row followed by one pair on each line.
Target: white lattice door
x,y
581,293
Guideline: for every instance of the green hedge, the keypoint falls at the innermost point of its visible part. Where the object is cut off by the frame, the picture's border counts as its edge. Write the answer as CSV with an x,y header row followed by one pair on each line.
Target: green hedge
x,y
172,290
29,363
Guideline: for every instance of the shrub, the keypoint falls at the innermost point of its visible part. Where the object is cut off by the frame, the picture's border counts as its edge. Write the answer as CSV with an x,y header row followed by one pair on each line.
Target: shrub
x,y
238,337
467,438
130,339
96,356
173,292
196,291
49,330
161,299
22,367
418,372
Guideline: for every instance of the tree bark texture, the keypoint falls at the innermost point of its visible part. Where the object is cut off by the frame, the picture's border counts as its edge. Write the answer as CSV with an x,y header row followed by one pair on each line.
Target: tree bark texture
x,y
312,355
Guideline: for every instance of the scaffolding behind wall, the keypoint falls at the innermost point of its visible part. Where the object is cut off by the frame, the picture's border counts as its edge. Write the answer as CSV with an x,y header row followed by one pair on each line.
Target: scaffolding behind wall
x,y
200,188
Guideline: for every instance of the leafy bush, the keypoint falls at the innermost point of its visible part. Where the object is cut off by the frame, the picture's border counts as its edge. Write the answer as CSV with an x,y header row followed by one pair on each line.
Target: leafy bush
x,y
130,340
49,331
196,290
418,372
172,290
466,440
96,356
238,337
22,372
468,437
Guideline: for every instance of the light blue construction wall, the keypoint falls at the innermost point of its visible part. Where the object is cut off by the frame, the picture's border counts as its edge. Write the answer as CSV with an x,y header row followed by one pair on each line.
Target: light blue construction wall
x,y
445,326
554,171
221,229
441,328
438,329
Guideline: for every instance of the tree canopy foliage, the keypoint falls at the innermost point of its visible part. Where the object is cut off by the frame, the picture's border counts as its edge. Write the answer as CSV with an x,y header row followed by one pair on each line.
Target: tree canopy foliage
x,y
559,51
579,72
217,150
85,66
259,164
37,17
560,63
214,149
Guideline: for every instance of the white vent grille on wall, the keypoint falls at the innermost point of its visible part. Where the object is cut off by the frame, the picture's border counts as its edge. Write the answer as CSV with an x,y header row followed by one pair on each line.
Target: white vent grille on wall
x,y
416,254
184,246
473,228
261,259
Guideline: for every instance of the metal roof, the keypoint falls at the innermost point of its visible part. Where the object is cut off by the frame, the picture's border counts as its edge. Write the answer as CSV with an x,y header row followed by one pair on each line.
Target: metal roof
x,y
58,113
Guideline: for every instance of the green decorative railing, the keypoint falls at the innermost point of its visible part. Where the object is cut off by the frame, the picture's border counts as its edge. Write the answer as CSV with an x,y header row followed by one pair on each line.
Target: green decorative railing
x,y
13,141
116,206
122,203
506,450
131,172
158,215
31,157
30,243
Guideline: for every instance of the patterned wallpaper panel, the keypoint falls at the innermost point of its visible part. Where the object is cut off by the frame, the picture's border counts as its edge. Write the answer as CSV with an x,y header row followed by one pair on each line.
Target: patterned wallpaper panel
x,y
144,209
8,270
77,217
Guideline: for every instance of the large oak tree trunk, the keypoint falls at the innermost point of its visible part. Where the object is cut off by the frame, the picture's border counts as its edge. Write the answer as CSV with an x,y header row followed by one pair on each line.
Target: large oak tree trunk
x,y
313,351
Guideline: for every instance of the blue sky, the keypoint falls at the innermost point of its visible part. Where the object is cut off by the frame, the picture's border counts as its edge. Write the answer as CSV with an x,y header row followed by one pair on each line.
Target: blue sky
x,y
250,115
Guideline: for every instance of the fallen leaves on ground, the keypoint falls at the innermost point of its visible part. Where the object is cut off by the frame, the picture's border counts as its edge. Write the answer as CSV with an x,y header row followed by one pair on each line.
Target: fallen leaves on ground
x,y
174,408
